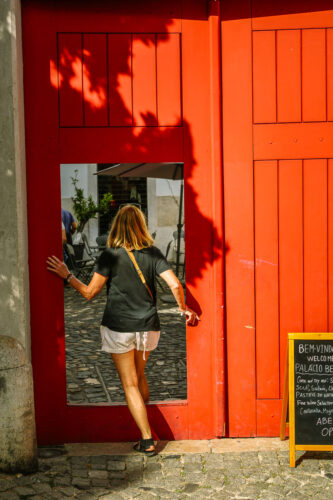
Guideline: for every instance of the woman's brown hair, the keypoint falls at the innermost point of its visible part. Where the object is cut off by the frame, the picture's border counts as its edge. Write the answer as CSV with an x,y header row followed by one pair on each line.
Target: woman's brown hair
x,y
129,230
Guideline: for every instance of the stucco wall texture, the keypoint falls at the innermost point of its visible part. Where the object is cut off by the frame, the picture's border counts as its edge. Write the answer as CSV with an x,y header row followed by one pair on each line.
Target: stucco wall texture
x,y
14,289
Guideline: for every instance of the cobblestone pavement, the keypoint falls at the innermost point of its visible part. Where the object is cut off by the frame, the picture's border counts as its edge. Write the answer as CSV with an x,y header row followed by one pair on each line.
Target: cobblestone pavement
x,y
231,475
91,375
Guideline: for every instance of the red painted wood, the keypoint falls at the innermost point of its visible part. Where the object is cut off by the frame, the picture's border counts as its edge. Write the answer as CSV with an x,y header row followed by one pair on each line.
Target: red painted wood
x,y
167,422
46,296
198,208
48,146
268,417
168,80
144,80
300,221
193,142
218,315
120,79
292,14
264,77
329,69
238,202
127,16
290,254
330,242
95,92
313,75
69,79
293,141
75,147
266,279
288,75
315,244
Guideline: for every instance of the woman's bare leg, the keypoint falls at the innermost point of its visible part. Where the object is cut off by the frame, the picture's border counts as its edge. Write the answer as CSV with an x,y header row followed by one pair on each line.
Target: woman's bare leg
x,y
125,365
140,364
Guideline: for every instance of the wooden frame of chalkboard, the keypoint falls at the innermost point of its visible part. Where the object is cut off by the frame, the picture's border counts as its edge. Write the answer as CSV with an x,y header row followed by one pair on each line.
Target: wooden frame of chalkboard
x,y
310,392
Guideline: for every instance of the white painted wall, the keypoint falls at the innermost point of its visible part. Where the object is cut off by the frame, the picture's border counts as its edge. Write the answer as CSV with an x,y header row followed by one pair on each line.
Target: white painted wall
x,y
163,210
167,187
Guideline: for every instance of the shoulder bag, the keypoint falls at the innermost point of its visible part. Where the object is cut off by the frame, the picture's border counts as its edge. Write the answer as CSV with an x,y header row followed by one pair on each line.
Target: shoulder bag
x,y
131,256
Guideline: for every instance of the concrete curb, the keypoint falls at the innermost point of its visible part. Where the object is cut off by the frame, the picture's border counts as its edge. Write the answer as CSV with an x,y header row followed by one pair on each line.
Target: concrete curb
x,y
229,445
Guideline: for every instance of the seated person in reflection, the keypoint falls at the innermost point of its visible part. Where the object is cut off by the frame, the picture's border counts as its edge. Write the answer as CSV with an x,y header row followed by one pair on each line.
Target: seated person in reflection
x,y
130,326
69,223
63,234
64,240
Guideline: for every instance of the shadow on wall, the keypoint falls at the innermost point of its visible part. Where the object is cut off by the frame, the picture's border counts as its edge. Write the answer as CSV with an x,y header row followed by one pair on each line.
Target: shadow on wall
x,y
97,77
102,76
104,94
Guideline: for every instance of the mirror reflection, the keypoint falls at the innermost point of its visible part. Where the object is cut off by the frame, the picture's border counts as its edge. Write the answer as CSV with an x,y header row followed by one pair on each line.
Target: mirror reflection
x,y
91,196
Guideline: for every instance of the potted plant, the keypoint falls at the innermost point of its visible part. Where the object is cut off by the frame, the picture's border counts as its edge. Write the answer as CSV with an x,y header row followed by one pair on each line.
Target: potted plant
x,y
85,208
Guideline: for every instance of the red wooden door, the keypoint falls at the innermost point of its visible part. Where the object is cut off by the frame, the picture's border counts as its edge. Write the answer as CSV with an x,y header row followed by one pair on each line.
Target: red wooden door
x,y
119,82
278,106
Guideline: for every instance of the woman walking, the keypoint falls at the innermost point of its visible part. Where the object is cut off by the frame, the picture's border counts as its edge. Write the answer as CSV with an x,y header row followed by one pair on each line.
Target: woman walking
x,y
130,326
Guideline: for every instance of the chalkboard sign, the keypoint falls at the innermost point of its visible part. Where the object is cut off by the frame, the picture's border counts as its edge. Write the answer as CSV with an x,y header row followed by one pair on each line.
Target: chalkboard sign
x,y
310,392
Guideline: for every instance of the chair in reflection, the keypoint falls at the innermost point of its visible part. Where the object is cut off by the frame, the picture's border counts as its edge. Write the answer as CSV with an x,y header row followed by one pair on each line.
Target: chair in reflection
x,y
82,268
101,241
93,252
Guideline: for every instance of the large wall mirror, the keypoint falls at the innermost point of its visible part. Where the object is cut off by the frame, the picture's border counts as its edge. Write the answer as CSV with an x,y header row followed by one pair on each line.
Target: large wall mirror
x,y
92,194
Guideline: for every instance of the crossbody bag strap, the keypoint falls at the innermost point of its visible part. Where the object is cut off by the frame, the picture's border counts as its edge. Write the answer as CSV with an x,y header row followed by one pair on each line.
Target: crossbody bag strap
x,y
131,256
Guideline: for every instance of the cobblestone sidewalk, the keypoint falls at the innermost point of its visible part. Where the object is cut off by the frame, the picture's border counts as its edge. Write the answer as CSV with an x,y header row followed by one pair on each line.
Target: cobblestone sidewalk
x,y
257,474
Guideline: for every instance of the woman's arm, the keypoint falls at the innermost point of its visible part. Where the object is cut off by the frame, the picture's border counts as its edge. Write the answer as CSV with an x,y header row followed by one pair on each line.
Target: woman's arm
x,y
87,291
176,287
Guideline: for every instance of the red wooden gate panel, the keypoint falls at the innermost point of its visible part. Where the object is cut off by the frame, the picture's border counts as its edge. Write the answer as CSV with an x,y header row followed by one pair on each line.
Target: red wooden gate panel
x,y
119,82
99,75
277,71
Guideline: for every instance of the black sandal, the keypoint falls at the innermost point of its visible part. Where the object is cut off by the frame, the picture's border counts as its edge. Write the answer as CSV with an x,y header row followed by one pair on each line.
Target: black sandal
x,y
143,445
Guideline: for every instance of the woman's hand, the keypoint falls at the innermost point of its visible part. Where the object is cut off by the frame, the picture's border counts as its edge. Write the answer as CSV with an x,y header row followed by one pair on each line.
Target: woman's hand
x,y
57,267
191,316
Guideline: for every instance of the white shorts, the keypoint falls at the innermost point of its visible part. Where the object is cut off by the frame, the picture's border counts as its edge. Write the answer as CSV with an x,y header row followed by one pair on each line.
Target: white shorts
x,y
119,342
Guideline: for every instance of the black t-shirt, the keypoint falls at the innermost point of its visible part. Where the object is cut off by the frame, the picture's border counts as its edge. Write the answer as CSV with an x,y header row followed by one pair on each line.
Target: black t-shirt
x,y
129,307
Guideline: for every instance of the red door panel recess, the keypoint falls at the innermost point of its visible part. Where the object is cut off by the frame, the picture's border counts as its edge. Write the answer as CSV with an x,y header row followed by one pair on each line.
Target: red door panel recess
x,y
278,150
104,83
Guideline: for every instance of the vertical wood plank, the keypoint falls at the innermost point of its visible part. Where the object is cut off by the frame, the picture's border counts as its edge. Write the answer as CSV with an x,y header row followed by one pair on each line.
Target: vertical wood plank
x,y
266,279
315,245
238,202
288,76
95,80
144,80
330,243
168,80
291,391
264,77
268,416
198,215
290,253
313,75
329,83
120,79
70,80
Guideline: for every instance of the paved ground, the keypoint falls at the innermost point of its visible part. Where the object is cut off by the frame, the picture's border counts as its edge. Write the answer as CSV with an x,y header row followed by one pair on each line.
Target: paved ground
x,y
91,375
204,469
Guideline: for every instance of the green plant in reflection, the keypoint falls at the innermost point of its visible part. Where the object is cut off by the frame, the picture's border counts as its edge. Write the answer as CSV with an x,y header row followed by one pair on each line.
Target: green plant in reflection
x,y
85,208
